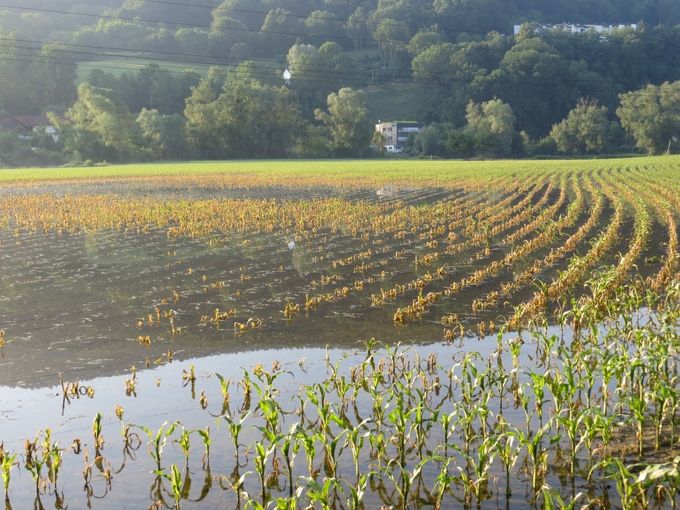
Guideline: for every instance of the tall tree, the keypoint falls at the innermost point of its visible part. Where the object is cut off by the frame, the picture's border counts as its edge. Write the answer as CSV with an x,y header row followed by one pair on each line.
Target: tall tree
x,y
248,12
246,118
347,122
357,28
492,125
587,128
392,36
99,127
164,135
652,116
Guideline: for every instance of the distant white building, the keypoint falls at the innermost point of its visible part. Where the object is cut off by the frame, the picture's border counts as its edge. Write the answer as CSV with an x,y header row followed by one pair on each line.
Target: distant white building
x,y
575,28
396,134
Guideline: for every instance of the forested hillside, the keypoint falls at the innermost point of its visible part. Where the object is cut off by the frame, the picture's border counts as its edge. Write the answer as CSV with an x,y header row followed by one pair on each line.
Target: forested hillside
x,y
74,59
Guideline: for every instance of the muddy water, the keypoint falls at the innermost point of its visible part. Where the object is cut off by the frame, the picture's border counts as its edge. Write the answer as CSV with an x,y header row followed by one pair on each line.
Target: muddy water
x,y
76,305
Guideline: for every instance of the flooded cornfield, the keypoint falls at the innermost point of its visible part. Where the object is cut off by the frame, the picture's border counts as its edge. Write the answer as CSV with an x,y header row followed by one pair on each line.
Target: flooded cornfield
x,y
213,344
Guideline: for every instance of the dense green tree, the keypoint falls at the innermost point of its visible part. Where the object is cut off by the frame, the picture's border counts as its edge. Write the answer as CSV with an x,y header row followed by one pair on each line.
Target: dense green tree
x,y
476,17
347,122
193,41
318,71
423,39
163,135
461,143
152,87
415,13
54,76
392,36
245,118
304,62
170,13
124,34
99,127
587,128
17,95
226,31
652,116
540,85
433,140
474,60
378,142
358,28
433,64
492,125
459,53
249,12
33,80
311,141
279,30
323,26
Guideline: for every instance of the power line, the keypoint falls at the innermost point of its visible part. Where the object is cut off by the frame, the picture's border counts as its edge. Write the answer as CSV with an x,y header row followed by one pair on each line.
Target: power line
x,y
226,61
318,74
271,64
367,22
288,13
114,48
31,58
136,19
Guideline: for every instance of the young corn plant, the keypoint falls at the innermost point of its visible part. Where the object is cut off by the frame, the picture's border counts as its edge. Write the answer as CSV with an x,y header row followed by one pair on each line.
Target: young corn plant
x,y
7,463
158,440
289,449
97,433
34,462
226,397
184,443
320,495
537,453
664,478
629,487
508,452
357,491
53,457
176,483
207,442
475,480
262,454
235,428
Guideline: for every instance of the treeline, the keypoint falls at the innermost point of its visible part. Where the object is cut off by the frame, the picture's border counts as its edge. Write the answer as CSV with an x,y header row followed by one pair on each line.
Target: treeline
x,y
257,24
542,77
647,120
457,51
237,115
230,114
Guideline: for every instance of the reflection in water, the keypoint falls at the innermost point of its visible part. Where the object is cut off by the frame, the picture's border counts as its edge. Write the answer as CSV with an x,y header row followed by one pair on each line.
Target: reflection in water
x,y
120,315
74,302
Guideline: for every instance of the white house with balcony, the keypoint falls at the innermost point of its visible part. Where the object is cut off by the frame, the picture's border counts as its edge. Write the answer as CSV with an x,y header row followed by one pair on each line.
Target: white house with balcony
x,y
396,134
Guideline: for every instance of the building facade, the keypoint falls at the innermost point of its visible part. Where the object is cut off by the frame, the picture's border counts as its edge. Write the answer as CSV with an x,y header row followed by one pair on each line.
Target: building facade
x,y
396,134
575,28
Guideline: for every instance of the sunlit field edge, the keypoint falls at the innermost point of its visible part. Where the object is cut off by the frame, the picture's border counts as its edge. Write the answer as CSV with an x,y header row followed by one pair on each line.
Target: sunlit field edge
x,y
431,171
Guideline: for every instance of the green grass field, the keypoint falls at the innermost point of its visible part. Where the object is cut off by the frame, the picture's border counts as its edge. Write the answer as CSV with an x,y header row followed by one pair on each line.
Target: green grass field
x,y
376,170
117,66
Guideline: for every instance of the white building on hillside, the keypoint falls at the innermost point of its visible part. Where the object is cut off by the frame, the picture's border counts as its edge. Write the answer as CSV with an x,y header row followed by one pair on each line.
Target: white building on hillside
x,y
575,28
395,134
